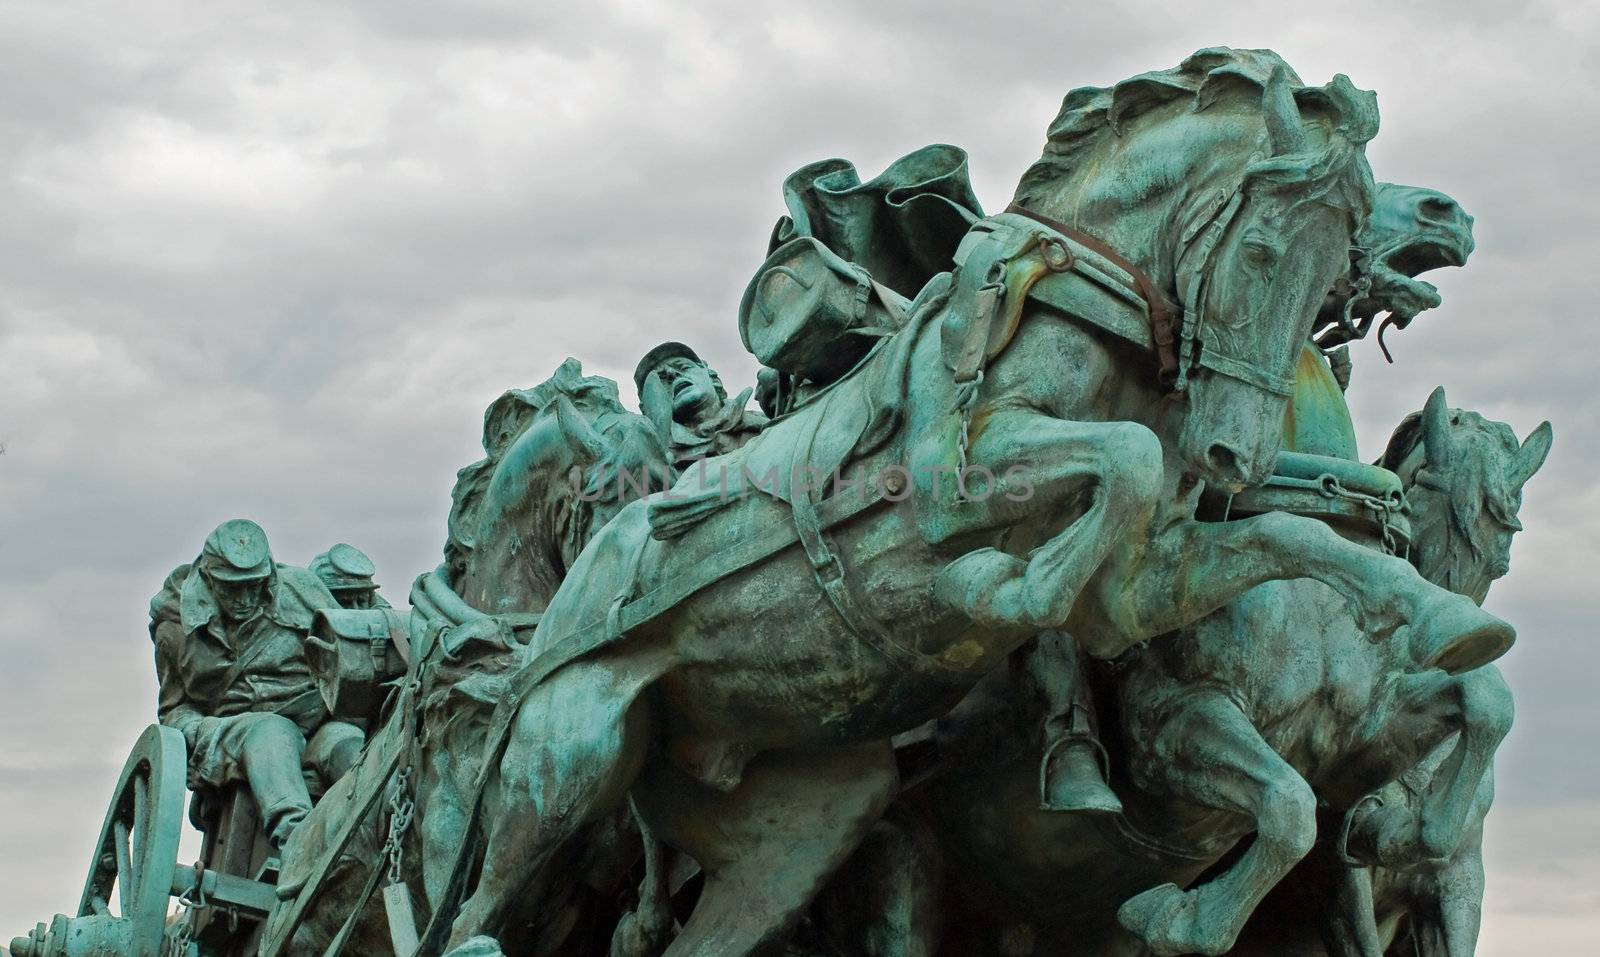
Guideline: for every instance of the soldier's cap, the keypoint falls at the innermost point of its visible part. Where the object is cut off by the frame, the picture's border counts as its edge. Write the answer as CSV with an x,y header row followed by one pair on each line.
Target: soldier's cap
x,y
237,551
345,568
658,355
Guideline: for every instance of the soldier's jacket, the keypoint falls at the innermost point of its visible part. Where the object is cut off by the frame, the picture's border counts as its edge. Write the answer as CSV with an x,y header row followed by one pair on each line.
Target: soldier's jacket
x,y
204,673
730,428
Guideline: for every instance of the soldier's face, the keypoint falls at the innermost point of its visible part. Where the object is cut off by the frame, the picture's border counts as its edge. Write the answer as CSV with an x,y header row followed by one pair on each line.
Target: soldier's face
x,y
355,599
694,391
239,600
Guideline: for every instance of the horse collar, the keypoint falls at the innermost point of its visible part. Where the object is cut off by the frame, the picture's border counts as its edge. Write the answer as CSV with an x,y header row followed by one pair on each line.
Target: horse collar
x,y
1161,333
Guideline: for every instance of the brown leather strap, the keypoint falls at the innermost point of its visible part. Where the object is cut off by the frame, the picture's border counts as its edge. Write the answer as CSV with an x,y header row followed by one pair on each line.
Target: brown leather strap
x,y
1160,320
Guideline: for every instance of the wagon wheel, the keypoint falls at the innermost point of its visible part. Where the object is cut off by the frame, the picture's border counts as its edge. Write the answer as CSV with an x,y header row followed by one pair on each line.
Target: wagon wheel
x,y
138,846
135,860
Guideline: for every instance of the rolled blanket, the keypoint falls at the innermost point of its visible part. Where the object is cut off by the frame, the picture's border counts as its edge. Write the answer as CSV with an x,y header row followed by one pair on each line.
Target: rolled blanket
x,y
443,619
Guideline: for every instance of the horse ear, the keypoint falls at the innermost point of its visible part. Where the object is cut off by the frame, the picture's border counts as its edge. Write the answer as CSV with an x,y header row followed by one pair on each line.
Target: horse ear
x,y
1532,455
1437,441
1282,115
583,438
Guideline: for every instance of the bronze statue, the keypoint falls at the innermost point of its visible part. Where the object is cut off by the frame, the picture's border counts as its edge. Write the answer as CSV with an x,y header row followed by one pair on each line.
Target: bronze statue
x,y
667,670
1051,610
228,631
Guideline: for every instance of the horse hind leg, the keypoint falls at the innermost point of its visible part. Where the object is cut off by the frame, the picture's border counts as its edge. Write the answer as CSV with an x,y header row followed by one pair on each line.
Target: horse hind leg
x,y
886,902
1212,755
768,847
576,745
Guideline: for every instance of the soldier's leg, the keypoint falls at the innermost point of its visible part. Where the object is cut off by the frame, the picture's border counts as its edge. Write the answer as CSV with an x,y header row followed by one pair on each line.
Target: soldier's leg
x,y
333,750
1072,775
270,749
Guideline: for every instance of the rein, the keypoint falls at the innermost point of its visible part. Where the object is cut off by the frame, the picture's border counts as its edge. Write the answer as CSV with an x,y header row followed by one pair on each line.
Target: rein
x,y
1161,334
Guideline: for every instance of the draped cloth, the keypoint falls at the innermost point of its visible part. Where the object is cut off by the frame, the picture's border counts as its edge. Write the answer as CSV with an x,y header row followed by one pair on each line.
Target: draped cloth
x,y
902,226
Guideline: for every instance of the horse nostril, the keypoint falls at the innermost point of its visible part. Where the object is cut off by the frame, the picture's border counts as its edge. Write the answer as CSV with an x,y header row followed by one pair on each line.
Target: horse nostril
x,y
1226,463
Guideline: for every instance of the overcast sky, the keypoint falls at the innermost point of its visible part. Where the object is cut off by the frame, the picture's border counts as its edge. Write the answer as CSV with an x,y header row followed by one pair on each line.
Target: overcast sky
x,y
273,259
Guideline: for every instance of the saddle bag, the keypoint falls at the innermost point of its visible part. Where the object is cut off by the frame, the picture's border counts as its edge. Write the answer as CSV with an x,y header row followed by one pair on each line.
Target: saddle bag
x,y
354,654
813,315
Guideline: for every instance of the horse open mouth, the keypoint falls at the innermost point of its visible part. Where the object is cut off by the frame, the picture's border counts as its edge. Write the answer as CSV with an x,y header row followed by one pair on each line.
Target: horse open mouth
x,y
1431,252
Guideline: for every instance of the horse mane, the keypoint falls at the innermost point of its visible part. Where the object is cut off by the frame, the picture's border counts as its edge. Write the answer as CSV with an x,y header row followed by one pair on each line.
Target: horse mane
x,y
505,421
1093,120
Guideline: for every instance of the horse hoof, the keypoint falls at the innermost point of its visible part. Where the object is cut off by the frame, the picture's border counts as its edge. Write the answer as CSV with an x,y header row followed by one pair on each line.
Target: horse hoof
x,y
1169,921
1151,917
1459,636
478,947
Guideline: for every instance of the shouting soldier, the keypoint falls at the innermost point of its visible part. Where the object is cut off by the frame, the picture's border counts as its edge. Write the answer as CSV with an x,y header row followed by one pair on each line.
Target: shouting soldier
x,y
686,400
228,633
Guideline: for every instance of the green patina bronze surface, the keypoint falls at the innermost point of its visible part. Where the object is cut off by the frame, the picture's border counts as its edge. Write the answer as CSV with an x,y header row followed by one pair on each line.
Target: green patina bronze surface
x,y
1049,608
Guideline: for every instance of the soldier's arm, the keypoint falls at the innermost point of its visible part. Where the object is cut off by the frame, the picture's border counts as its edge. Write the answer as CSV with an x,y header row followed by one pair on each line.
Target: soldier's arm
x,y
173,707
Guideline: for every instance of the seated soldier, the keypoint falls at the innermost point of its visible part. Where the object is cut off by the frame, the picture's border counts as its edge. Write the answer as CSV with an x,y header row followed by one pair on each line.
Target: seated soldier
x,y
228,633
704,421
347,572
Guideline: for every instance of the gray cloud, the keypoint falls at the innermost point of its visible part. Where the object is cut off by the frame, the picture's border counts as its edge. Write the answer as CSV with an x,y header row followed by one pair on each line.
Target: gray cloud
x,y
273,260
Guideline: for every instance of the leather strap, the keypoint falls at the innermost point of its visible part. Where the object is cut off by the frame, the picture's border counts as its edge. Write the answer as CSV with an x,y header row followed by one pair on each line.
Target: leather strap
x,y
337,945
837,580
1160,320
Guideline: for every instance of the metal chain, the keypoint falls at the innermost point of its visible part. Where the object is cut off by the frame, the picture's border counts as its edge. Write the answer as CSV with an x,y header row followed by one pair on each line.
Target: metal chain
x,y
1383,509
965,404
191,901
401,810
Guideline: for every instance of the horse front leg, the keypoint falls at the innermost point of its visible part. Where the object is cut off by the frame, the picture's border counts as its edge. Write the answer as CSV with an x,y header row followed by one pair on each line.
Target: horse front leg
x,y
1043,467
1208,753
577,743
1477,703
1192,568
770,846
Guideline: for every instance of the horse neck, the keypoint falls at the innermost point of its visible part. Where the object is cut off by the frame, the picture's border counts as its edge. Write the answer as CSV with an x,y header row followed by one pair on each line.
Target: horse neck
x,y
514,564
1144,234
1182,166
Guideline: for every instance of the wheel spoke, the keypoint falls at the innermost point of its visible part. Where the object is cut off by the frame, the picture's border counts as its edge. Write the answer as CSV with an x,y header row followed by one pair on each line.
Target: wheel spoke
x,y
124,875
141,822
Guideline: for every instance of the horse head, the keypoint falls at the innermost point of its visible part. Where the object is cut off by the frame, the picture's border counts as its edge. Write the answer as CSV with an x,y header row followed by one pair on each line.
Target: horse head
x,y
1239,192
1412,230
1463,477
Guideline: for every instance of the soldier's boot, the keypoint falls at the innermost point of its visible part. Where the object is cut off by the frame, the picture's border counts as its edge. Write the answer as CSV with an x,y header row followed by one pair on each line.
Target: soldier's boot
x,y
272,766
1072,775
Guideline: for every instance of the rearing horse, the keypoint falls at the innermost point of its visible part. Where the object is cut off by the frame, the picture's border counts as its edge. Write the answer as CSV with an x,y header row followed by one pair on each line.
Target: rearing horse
x,y
743,689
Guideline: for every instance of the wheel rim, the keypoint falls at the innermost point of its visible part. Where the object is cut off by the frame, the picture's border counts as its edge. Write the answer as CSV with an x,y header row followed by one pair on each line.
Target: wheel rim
x,y
137,852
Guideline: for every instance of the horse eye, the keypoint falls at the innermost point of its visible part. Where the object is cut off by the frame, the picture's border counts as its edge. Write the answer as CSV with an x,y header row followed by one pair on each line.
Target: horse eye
x,y
1259,251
